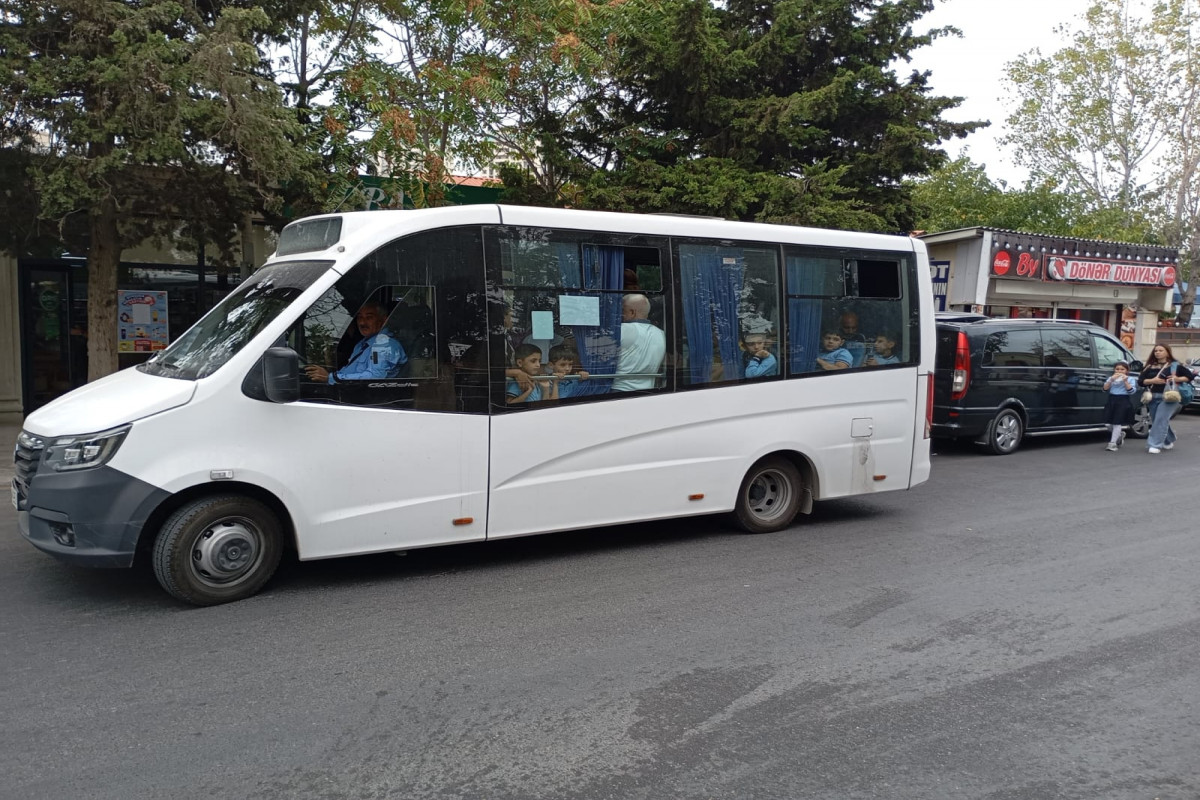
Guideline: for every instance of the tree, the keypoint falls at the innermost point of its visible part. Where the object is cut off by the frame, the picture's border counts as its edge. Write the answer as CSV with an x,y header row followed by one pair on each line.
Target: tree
x,y
458,85
960,195
789,111
1112,119
148,119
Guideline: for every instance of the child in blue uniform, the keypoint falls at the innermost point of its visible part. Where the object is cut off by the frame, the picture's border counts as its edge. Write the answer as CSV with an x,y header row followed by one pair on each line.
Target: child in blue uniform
x,y
833,355
884,350
562,363
528,359
1118,409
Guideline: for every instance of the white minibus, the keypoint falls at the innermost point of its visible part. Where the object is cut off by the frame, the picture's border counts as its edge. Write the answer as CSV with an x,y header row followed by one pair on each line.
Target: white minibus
x,y
390,380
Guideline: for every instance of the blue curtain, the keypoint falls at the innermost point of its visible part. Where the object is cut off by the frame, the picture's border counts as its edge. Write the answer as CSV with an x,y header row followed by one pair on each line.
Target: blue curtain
x,y
603,273
568,264
712,281
804,316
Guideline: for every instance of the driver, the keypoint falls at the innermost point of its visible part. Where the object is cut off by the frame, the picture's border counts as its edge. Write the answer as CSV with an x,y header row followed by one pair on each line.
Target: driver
x,y
377,355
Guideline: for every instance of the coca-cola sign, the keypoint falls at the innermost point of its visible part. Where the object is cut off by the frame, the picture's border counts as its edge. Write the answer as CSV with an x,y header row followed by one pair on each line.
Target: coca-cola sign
x,y
1027,265
1001,263
1087,271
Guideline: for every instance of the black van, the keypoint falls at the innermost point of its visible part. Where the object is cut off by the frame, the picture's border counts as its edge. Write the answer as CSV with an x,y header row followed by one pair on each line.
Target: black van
x,y
999,380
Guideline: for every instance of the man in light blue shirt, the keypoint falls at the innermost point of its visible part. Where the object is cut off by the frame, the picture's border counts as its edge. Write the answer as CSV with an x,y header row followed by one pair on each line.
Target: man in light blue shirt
x,y
378,355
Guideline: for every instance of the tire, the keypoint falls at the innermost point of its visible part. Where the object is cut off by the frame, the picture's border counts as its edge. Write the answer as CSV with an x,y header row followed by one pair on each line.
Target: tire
x,y
218,549
1140,428
1004,432
769,497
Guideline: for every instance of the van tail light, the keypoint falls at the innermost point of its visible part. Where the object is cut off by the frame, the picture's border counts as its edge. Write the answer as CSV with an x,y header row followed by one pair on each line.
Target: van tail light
x,y
962,368
929,407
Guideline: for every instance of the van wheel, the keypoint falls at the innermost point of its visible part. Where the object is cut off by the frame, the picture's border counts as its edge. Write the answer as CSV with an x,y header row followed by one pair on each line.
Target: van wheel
x,y
218,549
1004,434
769,497
1140,428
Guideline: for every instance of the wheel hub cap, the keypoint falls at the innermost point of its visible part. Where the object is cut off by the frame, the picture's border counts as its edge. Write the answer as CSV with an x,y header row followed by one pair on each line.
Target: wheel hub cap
x,y
226,550
768,495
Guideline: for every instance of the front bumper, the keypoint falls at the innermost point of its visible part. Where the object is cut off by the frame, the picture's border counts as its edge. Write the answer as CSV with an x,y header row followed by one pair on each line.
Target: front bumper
x,y
91,517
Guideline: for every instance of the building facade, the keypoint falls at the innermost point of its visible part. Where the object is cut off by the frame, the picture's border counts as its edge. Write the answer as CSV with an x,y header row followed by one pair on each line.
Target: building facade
x,y
1119,286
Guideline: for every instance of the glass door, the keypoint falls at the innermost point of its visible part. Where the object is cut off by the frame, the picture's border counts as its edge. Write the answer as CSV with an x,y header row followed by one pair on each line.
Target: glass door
x,y
53,332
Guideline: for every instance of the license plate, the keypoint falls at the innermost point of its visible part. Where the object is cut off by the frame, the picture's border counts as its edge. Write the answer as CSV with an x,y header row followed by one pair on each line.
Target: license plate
x,y
15,495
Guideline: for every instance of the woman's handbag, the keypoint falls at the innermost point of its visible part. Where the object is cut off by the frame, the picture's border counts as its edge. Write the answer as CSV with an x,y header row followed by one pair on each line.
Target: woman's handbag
x,y
1147,396
1177,391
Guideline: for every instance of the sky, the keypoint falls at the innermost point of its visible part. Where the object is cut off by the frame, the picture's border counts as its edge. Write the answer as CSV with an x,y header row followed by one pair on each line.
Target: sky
x,y
994,33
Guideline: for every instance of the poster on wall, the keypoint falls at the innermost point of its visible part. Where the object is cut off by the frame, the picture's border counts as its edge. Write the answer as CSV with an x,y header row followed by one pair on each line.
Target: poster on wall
x,y
1128,325
940,272
141,321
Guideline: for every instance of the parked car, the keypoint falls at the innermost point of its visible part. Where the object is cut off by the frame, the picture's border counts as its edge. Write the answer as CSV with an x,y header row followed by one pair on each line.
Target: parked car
x,y
999,380
1194,365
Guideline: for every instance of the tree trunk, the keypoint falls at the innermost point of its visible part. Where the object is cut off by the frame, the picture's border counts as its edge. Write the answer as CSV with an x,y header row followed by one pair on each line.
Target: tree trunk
x,y
104,256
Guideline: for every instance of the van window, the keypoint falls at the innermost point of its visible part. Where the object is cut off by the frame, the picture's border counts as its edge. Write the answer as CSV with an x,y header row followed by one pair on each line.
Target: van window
x,y
1013,348
1067,347
1108,352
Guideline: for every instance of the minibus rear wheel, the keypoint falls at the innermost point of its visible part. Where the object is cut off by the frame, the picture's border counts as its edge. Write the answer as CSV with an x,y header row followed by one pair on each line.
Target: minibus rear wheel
x,y
769,497
218,549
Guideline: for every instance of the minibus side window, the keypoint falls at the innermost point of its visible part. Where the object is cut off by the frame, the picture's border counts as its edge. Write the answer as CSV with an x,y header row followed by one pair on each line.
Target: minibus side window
x,y
729,307
849,310
404,328
557,303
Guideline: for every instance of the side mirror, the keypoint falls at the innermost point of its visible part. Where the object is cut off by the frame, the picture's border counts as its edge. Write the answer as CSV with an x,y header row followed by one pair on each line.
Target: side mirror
x,y
281,375
1136,367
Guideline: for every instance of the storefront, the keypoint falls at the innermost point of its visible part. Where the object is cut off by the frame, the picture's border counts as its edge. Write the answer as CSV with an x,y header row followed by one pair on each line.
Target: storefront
x,y
1119,286
52,316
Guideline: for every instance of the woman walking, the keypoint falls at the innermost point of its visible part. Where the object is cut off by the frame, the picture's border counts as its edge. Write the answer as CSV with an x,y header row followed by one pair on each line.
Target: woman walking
x,y
1161,369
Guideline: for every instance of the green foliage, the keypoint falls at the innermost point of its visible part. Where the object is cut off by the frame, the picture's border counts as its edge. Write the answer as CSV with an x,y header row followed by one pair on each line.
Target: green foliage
x,y
151,106
960,195
796,103
145,120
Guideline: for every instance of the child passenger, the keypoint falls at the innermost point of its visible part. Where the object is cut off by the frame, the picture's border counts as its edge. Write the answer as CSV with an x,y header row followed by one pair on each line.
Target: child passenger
x,y
884,350
758,361
528,359
562,363
833,354
1118,409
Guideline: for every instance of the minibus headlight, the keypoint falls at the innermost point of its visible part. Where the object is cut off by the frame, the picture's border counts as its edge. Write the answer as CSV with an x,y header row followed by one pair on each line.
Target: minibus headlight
x,y
83,452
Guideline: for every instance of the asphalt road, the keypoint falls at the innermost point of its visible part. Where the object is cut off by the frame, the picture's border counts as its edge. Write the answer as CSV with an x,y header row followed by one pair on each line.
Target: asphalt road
x,y
1019,627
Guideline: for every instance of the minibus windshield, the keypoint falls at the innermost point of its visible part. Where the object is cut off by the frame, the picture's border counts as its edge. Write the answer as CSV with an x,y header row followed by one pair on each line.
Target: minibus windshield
x,y
233,322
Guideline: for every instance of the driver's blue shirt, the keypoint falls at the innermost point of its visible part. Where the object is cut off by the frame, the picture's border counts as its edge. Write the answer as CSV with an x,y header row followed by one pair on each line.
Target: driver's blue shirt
x,y
379,356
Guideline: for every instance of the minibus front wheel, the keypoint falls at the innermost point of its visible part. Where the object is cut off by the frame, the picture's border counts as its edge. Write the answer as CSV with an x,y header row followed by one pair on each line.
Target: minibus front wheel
x,y
218,549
